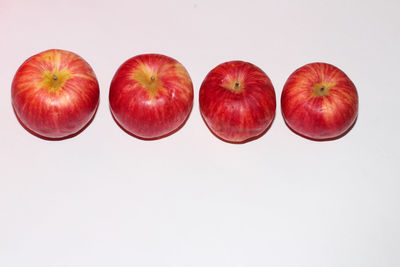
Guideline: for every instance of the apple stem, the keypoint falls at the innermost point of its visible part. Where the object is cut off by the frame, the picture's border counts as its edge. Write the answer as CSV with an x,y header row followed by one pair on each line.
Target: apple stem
x,y
322,89
55,77
152,78
237,85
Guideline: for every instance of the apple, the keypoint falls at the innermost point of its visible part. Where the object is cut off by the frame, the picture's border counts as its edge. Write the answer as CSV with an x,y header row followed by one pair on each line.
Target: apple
x,y
151,96
55,94
237,101
319,102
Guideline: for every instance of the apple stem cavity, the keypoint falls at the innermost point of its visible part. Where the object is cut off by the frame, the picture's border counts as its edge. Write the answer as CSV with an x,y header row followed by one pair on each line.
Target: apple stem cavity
x,y
152,78
322,89
55,77
236,86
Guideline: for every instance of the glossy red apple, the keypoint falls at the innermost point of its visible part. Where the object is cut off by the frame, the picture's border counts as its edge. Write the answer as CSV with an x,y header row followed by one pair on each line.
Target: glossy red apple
x,y
55,94
319,102
237,101
151,96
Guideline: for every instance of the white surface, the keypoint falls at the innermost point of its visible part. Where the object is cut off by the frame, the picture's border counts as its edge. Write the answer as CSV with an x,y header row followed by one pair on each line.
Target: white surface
x,y
105,198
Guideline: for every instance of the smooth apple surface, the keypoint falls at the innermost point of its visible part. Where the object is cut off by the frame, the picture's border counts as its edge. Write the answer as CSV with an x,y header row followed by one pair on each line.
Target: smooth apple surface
x,y
151,96
237,101
55,94
319,102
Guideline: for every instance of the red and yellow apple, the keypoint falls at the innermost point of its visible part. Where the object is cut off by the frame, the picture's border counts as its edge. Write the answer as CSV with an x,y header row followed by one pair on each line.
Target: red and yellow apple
x,y
319,102
55,94
151,96
237,101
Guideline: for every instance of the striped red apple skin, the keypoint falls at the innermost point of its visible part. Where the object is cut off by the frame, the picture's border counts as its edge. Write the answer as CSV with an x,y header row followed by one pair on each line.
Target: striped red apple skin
x,y
319,102
237,101
55,94
151,96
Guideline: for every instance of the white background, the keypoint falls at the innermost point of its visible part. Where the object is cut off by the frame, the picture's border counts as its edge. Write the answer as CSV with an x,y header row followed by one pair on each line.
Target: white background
x,y
104,198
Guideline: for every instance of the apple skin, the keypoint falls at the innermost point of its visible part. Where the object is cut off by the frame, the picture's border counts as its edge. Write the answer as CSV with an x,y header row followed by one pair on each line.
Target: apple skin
x,y
319,102
237,101
151,96
55,94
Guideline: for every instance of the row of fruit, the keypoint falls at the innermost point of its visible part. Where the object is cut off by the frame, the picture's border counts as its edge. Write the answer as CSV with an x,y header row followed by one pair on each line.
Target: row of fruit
x,y
55,95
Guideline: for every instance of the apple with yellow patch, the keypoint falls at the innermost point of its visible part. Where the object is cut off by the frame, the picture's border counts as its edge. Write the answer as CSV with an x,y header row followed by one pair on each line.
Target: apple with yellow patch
x,y
151,96
319,102
55,94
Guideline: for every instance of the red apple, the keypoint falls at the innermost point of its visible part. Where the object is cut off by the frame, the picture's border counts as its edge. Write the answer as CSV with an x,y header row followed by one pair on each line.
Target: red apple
x,y
319,102
55,94
151,96
237,101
